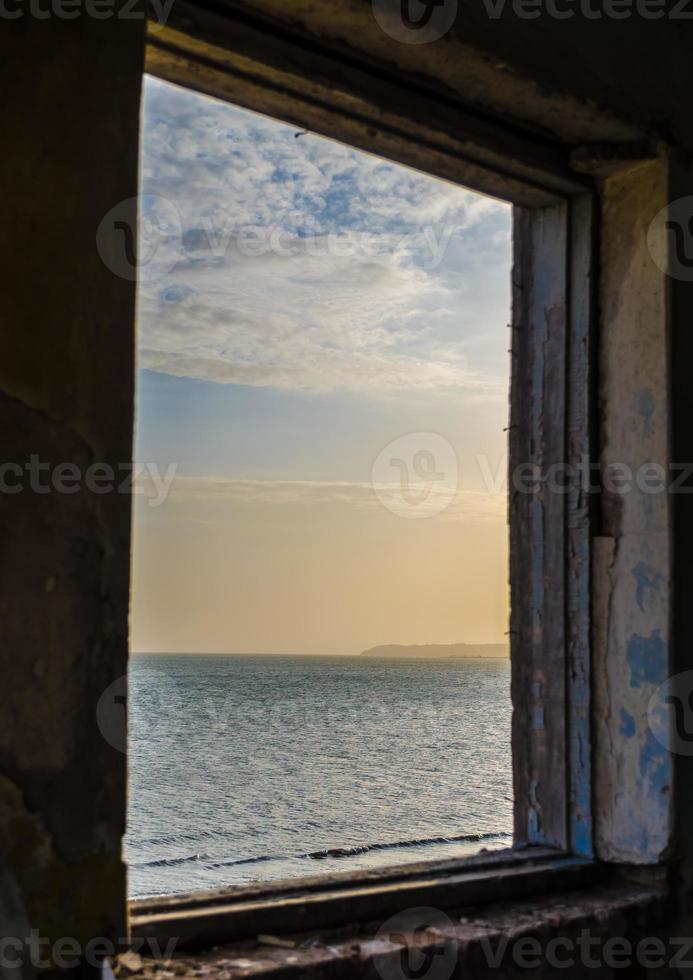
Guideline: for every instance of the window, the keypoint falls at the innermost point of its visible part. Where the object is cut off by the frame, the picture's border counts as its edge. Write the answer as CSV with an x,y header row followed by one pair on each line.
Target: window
x,y
320,606
550,429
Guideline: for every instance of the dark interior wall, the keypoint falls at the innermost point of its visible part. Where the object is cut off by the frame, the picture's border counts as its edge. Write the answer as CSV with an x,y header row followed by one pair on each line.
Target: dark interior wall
x,y
633,61
681,358
70,123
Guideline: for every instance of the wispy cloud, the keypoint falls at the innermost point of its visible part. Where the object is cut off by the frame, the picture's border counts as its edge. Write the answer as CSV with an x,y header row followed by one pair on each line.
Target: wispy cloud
x,y
465,504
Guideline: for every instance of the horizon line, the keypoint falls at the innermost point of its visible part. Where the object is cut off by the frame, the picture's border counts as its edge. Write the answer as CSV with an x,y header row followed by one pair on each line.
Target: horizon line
x,y
284,653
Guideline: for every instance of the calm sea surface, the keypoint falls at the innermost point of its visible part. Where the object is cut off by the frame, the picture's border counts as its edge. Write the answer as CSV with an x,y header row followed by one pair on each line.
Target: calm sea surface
x,y
259,767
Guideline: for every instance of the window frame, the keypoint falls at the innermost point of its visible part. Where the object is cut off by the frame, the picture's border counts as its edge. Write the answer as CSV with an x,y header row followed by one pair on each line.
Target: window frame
x,y
251,62
550,441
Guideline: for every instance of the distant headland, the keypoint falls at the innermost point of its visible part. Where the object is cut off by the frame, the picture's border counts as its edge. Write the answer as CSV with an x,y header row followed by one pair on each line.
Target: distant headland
x,y
442,651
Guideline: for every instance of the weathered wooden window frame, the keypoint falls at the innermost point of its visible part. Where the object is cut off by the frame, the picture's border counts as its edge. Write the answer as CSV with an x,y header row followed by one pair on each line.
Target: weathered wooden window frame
x,y
254,64
551,447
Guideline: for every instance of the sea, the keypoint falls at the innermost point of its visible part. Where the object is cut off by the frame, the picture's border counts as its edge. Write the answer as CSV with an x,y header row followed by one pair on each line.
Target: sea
x,y
247,768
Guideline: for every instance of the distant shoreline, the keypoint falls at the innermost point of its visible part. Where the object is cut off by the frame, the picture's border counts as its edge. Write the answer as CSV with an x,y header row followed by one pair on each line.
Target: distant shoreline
x,y
440,651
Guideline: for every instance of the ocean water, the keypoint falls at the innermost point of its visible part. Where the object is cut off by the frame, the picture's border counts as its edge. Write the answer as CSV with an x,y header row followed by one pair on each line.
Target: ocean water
x,y
248,768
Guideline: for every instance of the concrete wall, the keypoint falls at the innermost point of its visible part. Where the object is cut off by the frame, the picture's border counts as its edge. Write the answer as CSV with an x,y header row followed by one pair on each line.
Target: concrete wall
x,y
70,120
632,566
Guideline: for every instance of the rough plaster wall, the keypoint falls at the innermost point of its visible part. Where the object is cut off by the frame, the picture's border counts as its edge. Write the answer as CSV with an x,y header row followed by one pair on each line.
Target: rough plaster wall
x,y
66,395
632,580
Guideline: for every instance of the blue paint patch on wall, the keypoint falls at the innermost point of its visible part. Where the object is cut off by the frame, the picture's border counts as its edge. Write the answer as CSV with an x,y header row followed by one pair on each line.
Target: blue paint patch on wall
x,y
647,583
654,765
627,728
175,293
582,838
647,659
655,776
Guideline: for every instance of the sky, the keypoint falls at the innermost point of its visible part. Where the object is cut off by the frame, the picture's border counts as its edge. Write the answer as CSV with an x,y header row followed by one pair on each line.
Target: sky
x,y
322,363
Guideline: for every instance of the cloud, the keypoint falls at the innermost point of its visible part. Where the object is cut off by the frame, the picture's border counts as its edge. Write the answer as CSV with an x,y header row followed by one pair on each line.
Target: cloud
x,y
302,264
466,505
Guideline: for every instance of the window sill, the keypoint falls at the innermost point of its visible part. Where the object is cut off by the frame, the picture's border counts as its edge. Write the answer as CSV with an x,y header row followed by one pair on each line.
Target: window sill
x,y
205,919
476,937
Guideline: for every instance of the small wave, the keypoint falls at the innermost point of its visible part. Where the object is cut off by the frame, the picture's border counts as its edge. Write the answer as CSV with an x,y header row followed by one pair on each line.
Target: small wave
x,y
213,862
173,862
423,842
232,862
328,852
